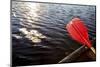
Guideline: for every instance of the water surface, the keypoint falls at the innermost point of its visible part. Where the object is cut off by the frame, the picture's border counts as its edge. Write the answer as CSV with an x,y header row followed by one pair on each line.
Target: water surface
x,y
38,31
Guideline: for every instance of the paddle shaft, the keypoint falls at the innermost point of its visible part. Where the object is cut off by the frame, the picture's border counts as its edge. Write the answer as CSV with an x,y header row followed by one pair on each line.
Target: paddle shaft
x,y
93,50
72,57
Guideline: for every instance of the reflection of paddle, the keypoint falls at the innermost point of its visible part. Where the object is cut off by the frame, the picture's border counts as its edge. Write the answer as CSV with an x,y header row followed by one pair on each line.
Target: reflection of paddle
x,y
78,32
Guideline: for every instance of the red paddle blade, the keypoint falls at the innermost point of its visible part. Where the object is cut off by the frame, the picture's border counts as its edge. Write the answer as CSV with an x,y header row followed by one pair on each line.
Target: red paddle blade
x,y
78,31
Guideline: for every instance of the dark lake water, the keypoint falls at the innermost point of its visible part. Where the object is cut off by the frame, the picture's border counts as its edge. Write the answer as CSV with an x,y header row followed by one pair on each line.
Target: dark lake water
x,y
38,31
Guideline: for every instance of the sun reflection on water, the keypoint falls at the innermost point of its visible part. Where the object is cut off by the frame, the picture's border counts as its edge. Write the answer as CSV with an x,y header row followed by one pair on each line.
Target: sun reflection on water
x,y
30,11
32,35
33,9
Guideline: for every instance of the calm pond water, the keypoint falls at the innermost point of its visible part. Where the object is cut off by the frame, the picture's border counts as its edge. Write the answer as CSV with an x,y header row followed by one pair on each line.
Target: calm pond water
x,y
38,31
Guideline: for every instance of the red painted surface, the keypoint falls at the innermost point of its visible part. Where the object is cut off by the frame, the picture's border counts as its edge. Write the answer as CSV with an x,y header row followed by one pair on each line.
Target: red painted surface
x,y
78,31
